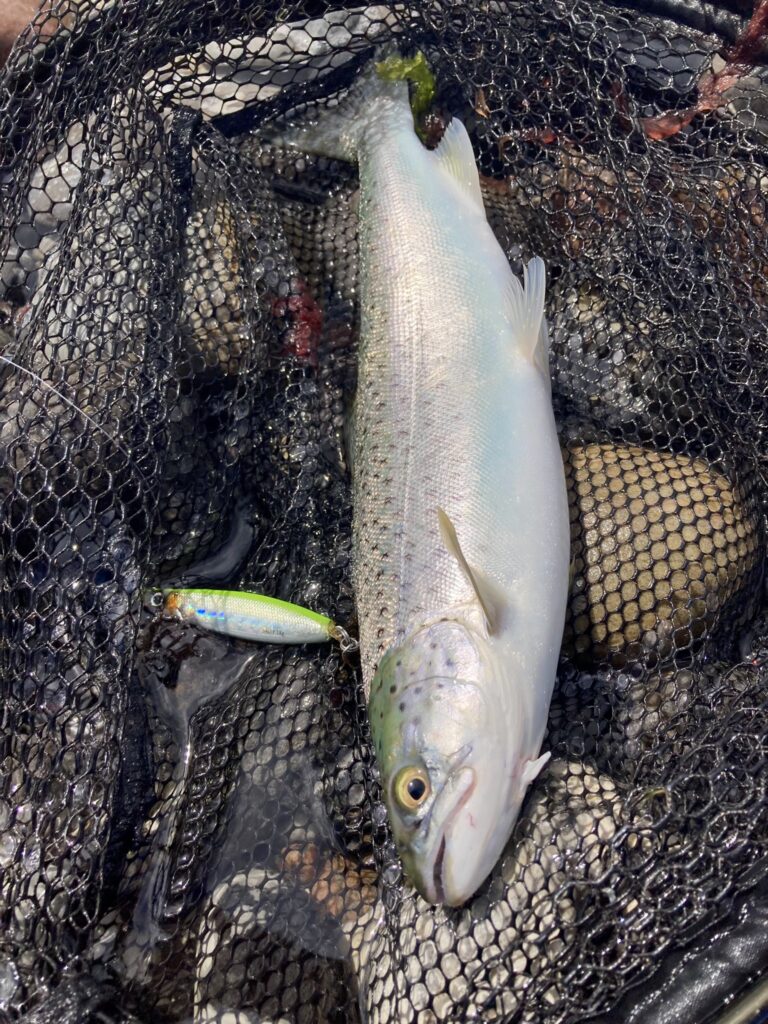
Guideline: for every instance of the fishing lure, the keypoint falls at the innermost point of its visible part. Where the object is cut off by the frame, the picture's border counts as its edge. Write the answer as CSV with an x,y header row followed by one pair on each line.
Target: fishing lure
x,y
248,616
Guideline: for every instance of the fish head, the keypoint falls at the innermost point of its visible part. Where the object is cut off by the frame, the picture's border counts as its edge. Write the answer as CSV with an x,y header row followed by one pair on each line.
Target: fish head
x,y
444,747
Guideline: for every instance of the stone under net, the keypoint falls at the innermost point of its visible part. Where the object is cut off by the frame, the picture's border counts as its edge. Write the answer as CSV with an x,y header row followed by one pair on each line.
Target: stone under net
x,y
191,828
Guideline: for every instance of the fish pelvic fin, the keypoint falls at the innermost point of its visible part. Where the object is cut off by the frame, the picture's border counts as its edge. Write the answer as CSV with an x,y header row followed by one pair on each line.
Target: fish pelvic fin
x,y
337,132
525,313
456,157
483,589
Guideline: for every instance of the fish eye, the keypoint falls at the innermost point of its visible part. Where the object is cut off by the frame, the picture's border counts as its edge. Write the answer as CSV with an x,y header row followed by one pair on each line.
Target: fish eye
x,y
411,787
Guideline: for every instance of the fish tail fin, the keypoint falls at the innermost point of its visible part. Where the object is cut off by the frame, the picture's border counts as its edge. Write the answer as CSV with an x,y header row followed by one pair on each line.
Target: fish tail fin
x,y
525,309
380,90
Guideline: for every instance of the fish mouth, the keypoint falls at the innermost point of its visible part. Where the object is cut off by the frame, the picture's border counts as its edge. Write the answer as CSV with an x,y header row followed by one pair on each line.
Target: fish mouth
x,y
437,872
431,880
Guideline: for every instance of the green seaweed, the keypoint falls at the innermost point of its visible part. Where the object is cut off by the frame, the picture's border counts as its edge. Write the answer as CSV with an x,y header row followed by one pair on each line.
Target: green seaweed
x,y
417,71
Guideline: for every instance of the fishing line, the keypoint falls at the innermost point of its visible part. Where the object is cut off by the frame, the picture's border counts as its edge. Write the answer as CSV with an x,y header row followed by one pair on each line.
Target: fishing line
x,y
82,412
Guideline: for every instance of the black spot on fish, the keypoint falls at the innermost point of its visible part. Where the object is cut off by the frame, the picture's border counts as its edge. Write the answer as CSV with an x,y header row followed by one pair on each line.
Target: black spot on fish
x,y
433,646
401,705
418,690
393,688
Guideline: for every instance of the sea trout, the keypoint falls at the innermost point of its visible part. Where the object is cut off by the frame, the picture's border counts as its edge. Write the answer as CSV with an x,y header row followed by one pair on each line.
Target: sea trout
x,y
461,533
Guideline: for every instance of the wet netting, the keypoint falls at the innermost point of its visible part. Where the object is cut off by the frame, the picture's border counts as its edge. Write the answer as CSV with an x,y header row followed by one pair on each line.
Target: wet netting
x,y
191,828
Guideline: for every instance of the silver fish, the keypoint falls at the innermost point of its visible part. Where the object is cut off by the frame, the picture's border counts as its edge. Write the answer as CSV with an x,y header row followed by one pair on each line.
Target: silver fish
x,y
461,535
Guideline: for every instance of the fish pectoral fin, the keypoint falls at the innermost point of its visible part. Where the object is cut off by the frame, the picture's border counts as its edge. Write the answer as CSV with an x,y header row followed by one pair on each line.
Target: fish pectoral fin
x,y
456,157
532,768
525,311
482,588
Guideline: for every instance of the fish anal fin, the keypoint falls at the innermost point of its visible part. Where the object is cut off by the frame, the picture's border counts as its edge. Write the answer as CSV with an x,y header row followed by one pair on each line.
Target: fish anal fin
x,y
532,768
456,157
525,315
483,589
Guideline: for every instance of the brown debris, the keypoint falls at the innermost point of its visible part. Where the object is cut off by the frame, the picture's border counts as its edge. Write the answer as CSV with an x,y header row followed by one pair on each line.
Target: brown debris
x,y
481,105
713,85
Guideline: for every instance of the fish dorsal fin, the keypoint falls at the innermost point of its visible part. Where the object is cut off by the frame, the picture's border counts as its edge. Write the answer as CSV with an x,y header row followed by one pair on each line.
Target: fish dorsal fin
x,y
457,158
531,768
482,590
525,312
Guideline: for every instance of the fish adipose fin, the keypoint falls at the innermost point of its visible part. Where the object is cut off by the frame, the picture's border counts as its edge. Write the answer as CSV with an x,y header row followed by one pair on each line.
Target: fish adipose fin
x,y
456,156
531,768
525,312
482,588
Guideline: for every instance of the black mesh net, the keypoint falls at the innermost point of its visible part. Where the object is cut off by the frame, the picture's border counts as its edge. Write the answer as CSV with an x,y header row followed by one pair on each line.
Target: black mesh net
x,y
191,828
